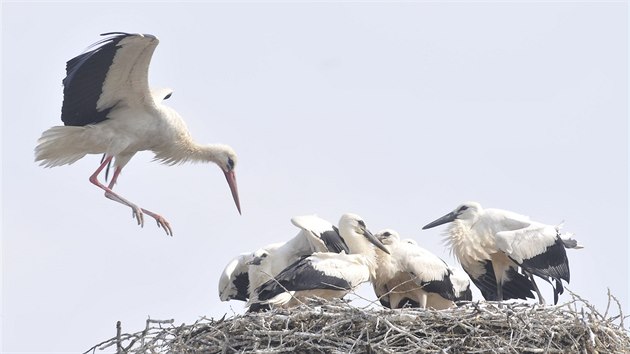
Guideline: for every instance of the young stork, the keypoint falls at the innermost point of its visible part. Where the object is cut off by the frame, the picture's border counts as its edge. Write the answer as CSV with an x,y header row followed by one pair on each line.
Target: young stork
x,y
315,235
492,243
108,108
326,275
459,278
411,276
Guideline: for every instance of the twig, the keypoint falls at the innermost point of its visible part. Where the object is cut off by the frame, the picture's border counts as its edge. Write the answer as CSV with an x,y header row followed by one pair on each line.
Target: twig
x,y
337,326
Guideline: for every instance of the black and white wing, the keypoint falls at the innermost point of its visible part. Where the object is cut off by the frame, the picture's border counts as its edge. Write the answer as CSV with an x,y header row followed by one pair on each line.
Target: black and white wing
x,y
321,234
234,280
113,71
427,269
319,271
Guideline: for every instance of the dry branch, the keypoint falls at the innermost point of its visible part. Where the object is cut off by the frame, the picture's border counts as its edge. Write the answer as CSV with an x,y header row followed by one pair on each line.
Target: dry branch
x,y
338,327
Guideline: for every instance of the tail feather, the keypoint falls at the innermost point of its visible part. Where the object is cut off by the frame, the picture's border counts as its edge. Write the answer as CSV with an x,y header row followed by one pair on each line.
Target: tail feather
x,y
60,145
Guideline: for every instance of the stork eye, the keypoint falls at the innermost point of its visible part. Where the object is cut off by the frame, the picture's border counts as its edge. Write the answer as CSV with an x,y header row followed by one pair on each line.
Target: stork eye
x,y
362,223
462,208
168,96
230,164
387,233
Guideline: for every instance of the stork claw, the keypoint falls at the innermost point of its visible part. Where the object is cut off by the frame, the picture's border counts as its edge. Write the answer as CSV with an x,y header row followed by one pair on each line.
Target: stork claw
x,y
161,222
137,214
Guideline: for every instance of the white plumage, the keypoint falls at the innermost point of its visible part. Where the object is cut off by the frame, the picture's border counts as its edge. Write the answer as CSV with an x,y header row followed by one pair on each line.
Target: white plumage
x,y
326,274
108,108
461,284
411,275
491,244
315,235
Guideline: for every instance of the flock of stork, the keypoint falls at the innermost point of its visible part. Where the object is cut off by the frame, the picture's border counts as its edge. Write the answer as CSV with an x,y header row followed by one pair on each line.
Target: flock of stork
x,y
109,109
328,261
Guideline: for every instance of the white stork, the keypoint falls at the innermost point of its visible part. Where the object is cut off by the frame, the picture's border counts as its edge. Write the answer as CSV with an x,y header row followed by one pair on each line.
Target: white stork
x,y
108,108
459,278
491,244
326,275
315,235
411,276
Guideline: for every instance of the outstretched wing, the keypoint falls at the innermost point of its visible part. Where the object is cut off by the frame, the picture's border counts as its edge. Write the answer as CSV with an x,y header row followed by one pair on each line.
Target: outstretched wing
x,y
114,70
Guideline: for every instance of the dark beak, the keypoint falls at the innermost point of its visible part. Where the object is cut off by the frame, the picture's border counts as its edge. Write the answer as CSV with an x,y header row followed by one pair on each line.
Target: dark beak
x,y
443,220
255,261
231,180
376,242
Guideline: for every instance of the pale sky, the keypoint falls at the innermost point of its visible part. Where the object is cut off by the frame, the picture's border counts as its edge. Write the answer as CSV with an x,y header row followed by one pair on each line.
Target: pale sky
x,y
397,112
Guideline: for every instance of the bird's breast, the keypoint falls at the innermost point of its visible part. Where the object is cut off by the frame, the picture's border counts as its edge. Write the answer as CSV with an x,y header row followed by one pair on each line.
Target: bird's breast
x,y
468,244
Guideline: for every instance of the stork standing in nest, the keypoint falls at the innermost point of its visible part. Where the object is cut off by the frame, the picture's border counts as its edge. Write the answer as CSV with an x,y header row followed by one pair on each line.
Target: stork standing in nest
x,y
491,244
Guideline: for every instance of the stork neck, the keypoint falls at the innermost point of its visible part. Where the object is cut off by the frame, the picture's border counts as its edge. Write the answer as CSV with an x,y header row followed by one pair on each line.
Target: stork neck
x,y
209,153
357,244
187,150
469,245
369,260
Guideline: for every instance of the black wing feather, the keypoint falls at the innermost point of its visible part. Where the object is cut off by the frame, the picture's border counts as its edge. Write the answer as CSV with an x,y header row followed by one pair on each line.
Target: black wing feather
x,y
300,276
334,242
551,263
83,84
517,287
241,282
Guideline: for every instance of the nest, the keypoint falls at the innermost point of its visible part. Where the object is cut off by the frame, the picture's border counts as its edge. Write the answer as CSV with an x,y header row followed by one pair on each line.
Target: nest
x,y
339,327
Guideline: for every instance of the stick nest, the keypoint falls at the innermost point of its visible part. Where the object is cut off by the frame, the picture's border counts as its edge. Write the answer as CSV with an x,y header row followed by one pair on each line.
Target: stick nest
x,y
338,327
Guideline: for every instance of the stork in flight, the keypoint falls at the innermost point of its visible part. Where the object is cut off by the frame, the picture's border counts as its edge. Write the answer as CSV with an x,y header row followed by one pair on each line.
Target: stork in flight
x,y
492,243
108,108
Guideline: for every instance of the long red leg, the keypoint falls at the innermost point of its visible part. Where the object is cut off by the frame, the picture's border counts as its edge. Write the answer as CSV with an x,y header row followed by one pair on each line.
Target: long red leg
x,y
137,211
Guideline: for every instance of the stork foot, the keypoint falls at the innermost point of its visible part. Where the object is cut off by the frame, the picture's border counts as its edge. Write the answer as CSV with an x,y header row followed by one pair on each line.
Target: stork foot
x,y
136,212
161,221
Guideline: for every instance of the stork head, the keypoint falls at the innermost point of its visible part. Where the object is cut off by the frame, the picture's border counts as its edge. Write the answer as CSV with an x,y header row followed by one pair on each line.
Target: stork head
x,y
225,157
388,236
352,228
258,257
467,211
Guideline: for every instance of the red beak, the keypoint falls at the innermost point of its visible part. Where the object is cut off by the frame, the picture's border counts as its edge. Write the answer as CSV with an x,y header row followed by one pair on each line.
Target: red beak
x,y
231,180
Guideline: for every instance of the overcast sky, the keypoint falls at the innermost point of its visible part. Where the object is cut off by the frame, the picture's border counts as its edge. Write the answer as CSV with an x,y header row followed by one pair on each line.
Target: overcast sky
x,y
397,112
